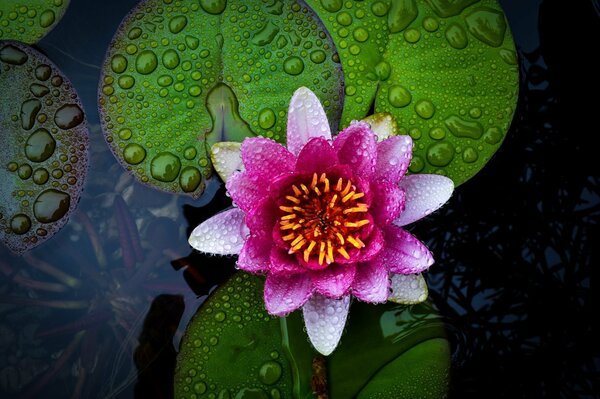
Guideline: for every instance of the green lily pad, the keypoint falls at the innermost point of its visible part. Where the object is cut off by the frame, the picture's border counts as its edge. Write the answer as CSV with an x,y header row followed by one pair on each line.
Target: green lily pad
x,y
28,21
181,76
44,153
447,71
233,349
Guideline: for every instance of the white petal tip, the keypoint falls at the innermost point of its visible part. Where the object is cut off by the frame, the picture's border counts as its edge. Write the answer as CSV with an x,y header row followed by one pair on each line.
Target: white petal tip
x,y
408,289
226,158
223,234
325,319
382,124
425,194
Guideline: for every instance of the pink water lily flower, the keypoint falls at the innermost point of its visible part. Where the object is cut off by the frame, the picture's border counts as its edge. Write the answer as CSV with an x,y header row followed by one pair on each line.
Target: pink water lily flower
x,y
322,219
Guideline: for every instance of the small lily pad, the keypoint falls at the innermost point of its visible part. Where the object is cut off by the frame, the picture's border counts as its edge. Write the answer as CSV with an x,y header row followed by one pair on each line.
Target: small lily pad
x,y
447,71
44,153
233,348
181,76
28,21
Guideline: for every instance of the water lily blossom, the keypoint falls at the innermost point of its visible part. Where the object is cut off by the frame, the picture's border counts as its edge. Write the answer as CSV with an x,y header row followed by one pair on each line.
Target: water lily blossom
x,y
322,219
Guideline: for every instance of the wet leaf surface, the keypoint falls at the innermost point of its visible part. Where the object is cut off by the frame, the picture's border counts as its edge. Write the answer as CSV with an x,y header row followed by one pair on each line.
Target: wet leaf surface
x,y
44,157
447,71
179,77
28,21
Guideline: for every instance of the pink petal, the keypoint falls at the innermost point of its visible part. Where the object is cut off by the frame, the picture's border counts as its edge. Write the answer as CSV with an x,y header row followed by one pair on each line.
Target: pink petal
x,y
223,234
261,219
283,263
408,289
334,281
372,282
284,294
404,253
254,257
325,319
316,156
264,157
246,190
357,148
424,195
306,119
388,202
393,157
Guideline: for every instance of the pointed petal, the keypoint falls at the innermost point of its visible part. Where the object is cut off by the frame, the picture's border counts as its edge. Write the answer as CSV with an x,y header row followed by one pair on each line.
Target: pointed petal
x,y
356,147
316,156
334,281
306,119
388,202
246,190
284,294
382,124
404,253
254,257
408,289
265,158
393,158
372,282
424,195
325,319
226,158
223,234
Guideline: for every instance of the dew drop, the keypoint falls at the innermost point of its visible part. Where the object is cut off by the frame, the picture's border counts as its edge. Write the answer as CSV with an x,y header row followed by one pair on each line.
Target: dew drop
x,y
379,8
47,18
39,146
437,133
190,179
146,62
317,56
12,55
293,65
25,171
344,18
383,71
220,316
68,116
430,24
170,59
425,109
176,24
399,96
470,155
270,372
332,5
51,205
165,167
29,110
360,34
133,153
456,36
266,118
20,223
412,35
493,135
214,7
38,90
440,154
126,82
43,72
118,63
134,33
40,176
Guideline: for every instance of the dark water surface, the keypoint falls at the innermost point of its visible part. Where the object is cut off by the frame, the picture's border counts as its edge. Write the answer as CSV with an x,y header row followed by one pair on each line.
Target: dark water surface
x,y
514,247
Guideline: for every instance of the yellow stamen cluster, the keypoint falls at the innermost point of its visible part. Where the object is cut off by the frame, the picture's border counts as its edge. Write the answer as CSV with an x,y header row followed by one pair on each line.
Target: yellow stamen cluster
x,y
323,218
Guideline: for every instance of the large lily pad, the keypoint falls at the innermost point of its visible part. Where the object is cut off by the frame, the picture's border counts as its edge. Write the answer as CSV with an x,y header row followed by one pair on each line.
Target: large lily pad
x,y
233,349
180,76
44,147
29,20
446,70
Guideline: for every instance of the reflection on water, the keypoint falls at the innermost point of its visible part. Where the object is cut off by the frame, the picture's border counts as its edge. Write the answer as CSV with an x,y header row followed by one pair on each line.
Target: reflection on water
x,y
513,251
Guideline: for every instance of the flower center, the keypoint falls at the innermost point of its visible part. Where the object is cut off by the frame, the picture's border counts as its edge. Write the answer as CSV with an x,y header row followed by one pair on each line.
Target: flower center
x,y
323,219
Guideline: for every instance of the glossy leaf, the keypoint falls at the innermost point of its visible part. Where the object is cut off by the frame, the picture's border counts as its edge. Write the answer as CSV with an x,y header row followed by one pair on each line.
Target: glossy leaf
x,y
182,76
447,71
28,21
231,343
44,153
